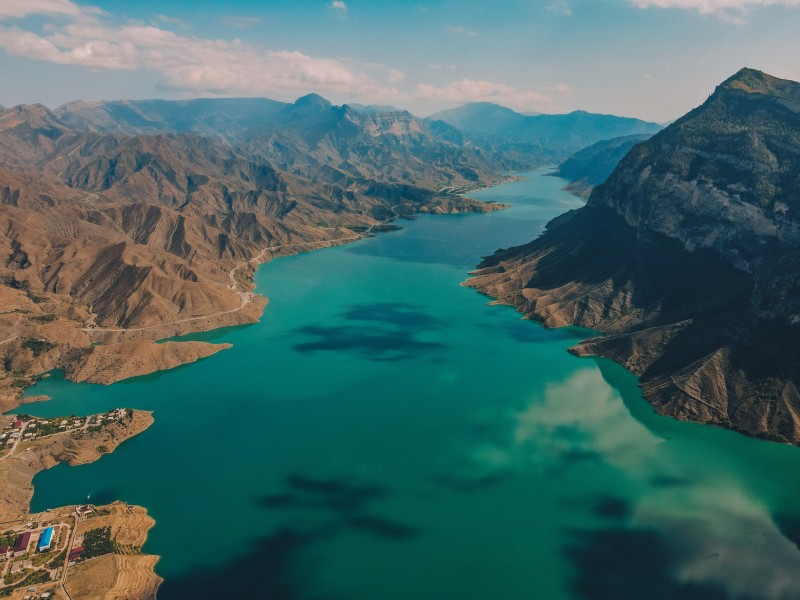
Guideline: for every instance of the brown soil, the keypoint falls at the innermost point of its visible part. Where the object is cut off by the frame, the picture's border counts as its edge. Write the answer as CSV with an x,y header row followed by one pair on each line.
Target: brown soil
x,y
73,447
127,576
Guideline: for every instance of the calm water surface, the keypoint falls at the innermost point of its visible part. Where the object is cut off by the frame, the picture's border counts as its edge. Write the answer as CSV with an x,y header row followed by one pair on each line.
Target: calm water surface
x,y
384,434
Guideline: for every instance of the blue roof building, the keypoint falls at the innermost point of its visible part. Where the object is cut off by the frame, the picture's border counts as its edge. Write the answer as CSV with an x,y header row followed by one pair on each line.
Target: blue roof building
x,y
45,540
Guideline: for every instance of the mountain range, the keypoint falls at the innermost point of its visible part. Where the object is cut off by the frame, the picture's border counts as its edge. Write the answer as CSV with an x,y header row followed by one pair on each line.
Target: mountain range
x,y
688,258
591,166
128,221
526,141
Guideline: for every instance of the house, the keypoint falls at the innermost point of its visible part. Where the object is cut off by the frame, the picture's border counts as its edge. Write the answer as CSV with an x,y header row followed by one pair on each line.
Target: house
x,y
21,544
5,552
45,540
75,553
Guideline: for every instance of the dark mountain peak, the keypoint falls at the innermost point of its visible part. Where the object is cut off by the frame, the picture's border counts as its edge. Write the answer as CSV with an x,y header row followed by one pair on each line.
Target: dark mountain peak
x,y
312,101
753,81
688,256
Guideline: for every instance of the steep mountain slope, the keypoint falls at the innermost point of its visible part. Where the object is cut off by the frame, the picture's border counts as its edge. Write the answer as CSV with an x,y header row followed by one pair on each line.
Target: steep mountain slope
x,y
112,237
312,137
532,140
688,256
592,166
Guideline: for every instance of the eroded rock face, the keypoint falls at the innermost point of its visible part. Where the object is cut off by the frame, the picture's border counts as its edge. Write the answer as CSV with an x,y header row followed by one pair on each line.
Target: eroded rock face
x,y
688,257
129,221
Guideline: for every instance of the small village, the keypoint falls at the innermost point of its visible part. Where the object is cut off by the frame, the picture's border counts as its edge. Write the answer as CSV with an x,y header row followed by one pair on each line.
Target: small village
x,y
25,428
34,555
37,550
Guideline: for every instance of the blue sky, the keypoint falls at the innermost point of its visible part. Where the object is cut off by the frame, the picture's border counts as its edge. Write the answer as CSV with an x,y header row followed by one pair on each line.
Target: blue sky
x,y
653,59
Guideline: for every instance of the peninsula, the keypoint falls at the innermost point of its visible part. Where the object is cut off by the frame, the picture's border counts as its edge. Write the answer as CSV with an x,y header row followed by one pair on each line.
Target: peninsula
x,y
55,553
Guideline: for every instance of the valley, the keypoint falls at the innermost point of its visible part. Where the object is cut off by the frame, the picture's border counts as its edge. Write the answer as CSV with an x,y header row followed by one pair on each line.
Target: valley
x,y
356,423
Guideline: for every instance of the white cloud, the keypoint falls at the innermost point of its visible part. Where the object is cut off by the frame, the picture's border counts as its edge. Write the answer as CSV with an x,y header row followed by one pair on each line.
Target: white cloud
x,y
468,90
23,8
562,88
194,65
340,6
729,10
458,30
561,7
395,76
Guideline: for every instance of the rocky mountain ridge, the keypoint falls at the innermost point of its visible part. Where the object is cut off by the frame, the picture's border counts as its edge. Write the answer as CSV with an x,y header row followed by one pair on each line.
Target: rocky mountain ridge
x,y
687,258
110,235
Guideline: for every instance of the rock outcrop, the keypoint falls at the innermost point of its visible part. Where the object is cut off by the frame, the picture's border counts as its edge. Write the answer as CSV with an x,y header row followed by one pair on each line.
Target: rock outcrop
x,y
688,258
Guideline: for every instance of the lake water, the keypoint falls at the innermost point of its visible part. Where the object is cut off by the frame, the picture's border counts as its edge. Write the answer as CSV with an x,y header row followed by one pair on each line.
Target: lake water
x,y
384,434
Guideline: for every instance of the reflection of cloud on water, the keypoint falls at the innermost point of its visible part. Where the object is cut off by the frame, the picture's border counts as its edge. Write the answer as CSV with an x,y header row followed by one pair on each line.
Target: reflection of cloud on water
x,y
723,538
715,535
582,414
580,419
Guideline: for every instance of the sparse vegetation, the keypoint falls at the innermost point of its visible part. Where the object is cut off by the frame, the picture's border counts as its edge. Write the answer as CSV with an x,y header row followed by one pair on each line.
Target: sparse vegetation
x,y
8,538
45,318
58,560
38,347
97,542
34,298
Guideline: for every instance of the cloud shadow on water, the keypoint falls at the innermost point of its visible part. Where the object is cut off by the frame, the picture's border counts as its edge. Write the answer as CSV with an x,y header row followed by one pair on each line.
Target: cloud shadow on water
x,y
279,566
628,564
379,332
348,504
270,569
789,526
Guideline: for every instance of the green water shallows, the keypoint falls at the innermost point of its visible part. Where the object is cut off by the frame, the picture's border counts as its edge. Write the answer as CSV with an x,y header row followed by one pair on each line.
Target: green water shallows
x,y
383,433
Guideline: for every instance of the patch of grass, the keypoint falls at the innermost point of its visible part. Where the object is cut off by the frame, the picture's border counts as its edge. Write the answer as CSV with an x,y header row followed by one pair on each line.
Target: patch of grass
x,y
58,560
34,578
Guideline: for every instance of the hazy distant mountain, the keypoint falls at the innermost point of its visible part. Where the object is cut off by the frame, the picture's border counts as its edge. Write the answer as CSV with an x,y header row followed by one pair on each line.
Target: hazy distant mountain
x,y
217,117
369,109
592,166
481,118
524,140
688,257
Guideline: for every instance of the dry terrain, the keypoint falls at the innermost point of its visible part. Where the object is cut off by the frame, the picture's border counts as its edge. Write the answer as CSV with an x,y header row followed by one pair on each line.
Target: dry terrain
x,y
75,447
125,574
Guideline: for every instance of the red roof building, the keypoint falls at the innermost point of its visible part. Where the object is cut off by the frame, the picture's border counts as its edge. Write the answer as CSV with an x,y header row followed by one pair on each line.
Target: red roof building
x,y
75,553
22,543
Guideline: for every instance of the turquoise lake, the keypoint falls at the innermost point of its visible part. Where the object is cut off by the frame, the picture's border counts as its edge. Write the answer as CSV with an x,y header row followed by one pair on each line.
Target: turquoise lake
x,y
384,434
